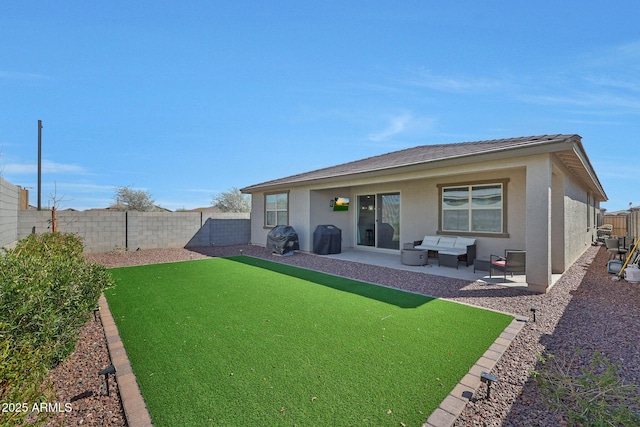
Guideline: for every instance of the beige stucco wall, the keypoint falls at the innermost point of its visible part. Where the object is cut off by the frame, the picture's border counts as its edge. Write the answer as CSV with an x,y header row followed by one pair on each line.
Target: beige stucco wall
x,y
538,222
299,215
558,235
323,214
579,227
309,205
258,233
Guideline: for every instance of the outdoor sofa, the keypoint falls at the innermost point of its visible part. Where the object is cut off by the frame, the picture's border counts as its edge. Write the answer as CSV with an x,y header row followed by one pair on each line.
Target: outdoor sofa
x,y
457,248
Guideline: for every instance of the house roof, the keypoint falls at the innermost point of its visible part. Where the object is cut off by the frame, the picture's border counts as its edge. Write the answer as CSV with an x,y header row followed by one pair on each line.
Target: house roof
x,y
568,148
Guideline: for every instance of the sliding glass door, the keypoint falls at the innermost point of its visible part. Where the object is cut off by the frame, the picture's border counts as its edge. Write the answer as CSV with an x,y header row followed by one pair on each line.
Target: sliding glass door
x,y
367,220
389,221
379,220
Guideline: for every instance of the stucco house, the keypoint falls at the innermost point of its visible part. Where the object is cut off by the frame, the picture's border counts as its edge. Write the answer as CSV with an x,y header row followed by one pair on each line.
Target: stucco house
x,y
537,193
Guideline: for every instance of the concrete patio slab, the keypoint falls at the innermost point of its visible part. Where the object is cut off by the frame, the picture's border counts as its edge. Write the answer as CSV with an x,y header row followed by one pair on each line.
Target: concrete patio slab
x,y
391,259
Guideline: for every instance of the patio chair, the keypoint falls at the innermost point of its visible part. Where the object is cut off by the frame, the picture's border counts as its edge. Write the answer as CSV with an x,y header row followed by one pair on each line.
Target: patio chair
x,y
614,248
513,261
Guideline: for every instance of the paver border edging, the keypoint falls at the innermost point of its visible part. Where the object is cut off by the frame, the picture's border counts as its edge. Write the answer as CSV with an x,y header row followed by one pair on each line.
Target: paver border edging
x,y
453,405
135,409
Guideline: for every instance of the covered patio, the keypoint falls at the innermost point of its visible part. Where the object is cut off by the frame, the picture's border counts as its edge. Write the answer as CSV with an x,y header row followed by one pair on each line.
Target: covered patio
x,y
373,266
392,260
537,194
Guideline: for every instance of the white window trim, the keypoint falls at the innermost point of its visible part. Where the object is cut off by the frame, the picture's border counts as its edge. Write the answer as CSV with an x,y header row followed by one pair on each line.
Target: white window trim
x,y
266,225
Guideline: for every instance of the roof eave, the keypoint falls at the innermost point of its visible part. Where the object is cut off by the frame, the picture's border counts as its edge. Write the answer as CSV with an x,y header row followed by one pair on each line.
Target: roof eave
x,y
569,143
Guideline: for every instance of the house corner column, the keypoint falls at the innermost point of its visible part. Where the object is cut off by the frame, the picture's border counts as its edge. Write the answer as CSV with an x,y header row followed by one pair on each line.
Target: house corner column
x,y
538,223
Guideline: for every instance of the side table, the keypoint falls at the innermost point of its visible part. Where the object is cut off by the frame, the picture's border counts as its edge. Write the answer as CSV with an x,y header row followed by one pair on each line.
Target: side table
x,y
413,257
481,264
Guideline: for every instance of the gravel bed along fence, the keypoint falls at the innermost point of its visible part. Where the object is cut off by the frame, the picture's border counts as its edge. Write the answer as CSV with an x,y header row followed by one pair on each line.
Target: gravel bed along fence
x,y
585,309
76,381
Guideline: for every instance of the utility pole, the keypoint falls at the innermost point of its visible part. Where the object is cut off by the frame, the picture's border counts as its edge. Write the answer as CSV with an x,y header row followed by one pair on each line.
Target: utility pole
x,y
39,165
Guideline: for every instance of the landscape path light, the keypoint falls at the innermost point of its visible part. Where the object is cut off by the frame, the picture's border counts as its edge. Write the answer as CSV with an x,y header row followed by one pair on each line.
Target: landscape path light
x,y
488,379
106,371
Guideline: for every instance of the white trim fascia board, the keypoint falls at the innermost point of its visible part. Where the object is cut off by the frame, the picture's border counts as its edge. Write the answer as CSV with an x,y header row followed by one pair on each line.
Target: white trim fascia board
x,y
586,164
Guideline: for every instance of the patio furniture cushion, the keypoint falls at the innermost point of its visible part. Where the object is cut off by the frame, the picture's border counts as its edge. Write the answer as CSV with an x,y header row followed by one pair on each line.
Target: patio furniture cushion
x,y
449,251
430,240
463,242
499,262
453,251
447,242
463,247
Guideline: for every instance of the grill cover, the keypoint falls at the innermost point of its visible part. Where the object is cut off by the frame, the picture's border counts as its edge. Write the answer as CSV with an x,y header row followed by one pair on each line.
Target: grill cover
x,y
283,239
327,239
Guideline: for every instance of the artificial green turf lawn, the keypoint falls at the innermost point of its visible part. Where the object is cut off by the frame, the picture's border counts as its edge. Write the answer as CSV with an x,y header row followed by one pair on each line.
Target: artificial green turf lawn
x,y
243,341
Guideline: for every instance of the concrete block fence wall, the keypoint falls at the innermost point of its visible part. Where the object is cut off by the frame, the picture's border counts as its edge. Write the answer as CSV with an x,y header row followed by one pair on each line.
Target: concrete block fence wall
x,y
101,231
9,202
150,230
105,231
223,230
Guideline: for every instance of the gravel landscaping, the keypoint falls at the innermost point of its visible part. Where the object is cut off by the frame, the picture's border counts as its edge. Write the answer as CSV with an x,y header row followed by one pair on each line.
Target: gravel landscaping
x,y
585,309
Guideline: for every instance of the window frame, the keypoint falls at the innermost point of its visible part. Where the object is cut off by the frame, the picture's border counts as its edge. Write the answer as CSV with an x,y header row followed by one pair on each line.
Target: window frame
x,y
266,211
470,184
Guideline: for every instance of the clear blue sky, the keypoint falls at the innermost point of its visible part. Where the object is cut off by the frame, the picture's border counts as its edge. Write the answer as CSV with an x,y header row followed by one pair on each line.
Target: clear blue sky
x,y
186,99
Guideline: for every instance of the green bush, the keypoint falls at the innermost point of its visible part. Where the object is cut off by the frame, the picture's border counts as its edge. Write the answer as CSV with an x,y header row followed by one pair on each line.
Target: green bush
x,y
47,292
592,395
23,370
51,244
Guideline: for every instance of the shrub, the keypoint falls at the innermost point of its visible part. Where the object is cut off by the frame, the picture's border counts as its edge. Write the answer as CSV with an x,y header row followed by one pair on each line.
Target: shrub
x,y
47,292
51,244
592,395
23,369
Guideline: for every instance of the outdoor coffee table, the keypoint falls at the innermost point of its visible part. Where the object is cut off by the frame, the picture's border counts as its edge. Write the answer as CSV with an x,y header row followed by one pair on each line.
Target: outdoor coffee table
x,y
447,259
